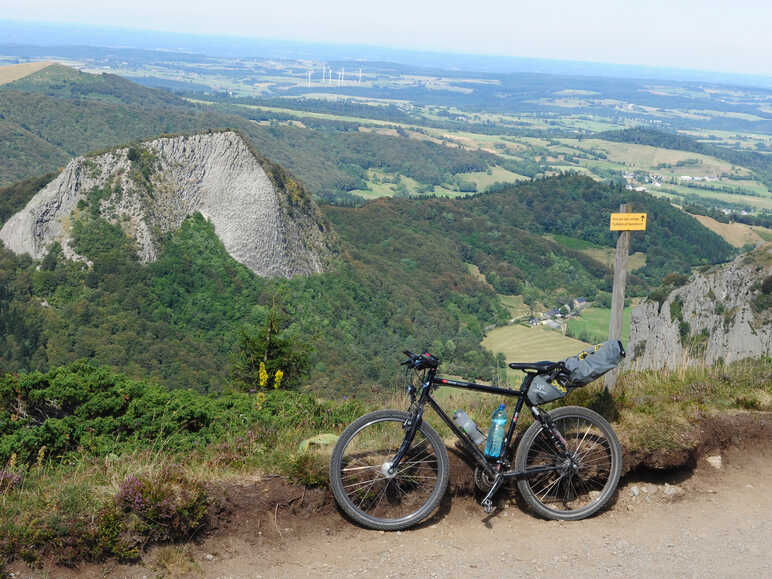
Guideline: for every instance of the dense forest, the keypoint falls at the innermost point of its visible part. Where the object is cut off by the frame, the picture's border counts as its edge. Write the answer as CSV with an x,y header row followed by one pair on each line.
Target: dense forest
x,y
180,319
577,206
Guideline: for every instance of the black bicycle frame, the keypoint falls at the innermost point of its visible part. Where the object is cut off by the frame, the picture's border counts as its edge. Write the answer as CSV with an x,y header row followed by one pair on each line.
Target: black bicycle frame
x,y
490,468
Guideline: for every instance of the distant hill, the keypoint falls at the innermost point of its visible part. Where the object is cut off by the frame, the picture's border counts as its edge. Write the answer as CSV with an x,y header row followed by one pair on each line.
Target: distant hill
x,y
57,80
57,113
12,72
578,207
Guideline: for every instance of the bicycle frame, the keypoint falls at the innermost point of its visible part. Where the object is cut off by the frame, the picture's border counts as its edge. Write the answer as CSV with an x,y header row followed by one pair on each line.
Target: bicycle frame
x,y
492,469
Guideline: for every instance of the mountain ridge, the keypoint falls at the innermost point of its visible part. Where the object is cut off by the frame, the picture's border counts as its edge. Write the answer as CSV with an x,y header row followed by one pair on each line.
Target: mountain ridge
x,y
267,224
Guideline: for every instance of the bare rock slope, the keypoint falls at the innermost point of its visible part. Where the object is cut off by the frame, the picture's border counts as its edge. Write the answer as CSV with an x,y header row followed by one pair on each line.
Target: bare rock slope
x,y
264,218
721,314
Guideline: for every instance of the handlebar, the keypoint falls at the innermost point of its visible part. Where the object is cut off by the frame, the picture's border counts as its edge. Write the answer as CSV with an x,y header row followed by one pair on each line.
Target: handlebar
x,y
420,361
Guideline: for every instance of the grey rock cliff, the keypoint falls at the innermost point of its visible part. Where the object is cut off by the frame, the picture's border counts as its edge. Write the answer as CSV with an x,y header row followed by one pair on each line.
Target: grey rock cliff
x,y
717,315
268,223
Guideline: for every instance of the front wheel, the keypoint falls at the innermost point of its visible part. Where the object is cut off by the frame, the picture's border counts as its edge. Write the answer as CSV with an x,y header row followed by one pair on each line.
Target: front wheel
x,y
587,475
360,478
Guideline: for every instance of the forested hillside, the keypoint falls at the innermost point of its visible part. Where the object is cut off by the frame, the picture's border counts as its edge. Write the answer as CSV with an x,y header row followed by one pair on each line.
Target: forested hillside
x,y
579,207
57,113
401,281
61,81
402,278
181,319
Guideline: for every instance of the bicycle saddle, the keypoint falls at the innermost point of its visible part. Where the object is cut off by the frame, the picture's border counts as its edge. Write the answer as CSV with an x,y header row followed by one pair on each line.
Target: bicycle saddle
x,y
541,367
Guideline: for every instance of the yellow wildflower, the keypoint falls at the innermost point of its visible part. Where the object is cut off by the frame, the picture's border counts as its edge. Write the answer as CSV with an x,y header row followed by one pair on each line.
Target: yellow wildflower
x,y
41,455
263,375
277,379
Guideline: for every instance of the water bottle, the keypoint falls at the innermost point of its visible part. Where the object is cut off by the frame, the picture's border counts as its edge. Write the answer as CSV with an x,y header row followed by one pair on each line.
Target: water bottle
x,y
468,425
496,433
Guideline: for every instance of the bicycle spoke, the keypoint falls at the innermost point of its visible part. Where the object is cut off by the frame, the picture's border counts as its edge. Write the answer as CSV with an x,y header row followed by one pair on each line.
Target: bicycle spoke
x,y
578,484
397,495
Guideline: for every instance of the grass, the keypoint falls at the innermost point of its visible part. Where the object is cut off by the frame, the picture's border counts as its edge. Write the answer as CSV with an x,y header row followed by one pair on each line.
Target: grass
x,y
607,256
646,157
764,233
515,304
657,409
91,508
521,343
764,203
14,72
592,325
737,234
483,179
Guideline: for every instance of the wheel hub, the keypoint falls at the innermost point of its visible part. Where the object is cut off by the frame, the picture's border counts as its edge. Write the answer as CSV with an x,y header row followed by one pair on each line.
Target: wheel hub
x,y
386,470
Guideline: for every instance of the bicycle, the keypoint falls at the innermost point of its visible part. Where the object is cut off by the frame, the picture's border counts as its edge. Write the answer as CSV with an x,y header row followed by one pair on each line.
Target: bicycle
x,y
389,469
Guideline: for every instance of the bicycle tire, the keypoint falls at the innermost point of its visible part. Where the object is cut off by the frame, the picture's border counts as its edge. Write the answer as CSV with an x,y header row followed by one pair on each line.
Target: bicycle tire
x,y
359,481
572,493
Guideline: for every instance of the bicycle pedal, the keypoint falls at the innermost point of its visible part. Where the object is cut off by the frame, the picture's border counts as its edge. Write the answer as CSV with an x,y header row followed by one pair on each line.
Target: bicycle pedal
x,y
487,506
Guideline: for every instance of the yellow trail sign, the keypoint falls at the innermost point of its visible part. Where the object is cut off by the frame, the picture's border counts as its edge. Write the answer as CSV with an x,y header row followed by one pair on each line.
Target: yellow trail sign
x,y
628,222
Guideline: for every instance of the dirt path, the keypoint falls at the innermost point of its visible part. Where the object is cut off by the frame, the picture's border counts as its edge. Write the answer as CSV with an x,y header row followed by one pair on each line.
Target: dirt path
x,y
713,523
716,523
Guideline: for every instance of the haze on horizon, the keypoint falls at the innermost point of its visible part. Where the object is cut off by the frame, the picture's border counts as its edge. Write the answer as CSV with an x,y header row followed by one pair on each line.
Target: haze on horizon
x,y
693,34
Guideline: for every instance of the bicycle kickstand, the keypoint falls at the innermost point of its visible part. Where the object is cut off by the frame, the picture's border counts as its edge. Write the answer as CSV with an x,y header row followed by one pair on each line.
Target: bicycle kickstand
x,y
487,502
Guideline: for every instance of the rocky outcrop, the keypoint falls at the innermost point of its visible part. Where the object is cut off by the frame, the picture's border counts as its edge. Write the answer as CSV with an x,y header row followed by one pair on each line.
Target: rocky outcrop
x,y
265,219
721,314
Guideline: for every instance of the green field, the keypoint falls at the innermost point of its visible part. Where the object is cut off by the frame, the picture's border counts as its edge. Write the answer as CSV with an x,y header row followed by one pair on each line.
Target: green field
x,y
607,256
592,325
517,308
524,344
484,179
764,202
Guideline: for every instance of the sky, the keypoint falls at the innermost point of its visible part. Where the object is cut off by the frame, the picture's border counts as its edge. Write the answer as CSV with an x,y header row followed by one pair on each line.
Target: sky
x,y
713,35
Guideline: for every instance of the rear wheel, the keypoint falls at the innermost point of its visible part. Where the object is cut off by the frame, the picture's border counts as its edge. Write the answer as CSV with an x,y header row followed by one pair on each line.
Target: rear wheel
x,y
586,478
364,488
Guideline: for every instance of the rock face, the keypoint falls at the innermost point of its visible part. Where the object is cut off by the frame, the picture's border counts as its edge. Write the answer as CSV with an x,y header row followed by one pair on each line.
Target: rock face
x,y
720,314
265,219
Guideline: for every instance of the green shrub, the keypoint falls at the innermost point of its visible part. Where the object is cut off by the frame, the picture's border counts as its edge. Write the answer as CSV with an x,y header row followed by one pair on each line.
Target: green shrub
x,y
82,408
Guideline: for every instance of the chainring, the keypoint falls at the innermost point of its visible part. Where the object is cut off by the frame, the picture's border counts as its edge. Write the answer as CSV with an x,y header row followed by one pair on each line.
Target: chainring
x,y
481,479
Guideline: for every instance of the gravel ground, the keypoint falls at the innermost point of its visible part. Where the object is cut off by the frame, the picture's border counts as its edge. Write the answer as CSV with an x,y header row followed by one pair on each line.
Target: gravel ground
x,y
714,522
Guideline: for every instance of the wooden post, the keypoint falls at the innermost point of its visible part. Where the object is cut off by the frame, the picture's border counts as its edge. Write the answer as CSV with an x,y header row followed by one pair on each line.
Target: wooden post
x,y
618,293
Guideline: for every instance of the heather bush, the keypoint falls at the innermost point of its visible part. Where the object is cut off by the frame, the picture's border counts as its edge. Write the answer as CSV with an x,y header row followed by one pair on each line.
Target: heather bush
x,y
9,480
169,505
67,517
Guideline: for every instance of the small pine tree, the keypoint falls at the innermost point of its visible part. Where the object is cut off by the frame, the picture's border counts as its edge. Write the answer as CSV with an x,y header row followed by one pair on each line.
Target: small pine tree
x,y
269,357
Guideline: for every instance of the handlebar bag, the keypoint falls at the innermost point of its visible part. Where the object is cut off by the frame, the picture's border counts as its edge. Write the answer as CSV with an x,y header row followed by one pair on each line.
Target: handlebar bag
x,y
592,364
